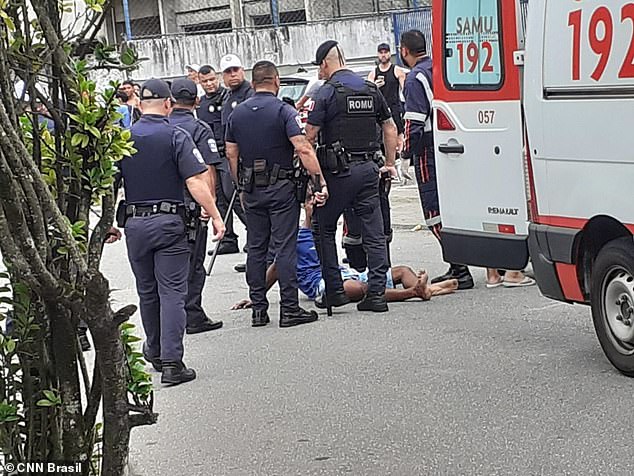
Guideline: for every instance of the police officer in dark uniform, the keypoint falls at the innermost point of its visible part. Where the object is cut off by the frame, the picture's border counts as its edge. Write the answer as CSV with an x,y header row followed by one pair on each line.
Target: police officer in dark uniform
x,y
239,90
264,132
419,140
185,95
346,113
210,111
153,215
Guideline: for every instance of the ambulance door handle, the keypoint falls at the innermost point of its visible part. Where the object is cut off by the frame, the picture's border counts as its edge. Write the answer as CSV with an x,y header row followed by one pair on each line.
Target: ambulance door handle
x,y
451,148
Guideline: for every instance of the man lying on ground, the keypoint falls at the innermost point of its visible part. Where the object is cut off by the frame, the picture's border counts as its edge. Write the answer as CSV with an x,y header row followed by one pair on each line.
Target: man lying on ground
x,y
309,278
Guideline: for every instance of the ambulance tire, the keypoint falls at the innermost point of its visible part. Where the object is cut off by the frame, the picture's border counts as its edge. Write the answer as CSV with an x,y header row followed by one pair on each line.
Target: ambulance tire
x,y
613,275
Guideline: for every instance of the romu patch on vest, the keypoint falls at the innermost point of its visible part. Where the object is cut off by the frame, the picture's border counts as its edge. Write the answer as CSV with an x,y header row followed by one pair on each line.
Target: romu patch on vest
x,y
360,104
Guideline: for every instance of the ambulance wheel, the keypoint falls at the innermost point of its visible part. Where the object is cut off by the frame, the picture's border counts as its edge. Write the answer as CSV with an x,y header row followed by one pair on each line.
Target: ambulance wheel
x,y
612,297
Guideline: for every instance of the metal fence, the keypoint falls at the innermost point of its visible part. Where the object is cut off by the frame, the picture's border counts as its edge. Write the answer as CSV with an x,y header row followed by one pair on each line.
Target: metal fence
x,y
133,19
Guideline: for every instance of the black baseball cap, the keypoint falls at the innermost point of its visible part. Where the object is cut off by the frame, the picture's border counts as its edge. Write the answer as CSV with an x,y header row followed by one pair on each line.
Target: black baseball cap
x,y
155,89
383,46
184,88
323,51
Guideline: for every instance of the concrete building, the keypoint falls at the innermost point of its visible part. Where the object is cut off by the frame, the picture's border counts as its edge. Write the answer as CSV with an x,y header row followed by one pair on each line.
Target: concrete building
x,y
152,18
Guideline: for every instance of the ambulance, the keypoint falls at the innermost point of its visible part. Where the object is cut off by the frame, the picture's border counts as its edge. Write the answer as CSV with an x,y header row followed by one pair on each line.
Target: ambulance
x,y
534,141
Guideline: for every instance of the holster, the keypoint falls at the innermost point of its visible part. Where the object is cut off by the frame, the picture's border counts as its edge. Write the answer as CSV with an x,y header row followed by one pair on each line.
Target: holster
x,y
120,215
301,183
246,180
261,174
333,159
191,219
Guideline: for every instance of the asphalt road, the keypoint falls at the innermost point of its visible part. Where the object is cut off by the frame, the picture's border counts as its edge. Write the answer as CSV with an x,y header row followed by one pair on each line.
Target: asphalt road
x,y
499,381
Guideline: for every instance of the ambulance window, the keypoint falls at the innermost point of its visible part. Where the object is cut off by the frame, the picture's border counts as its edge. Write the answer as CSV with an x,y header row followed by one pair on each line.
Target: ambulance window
x,y
473,44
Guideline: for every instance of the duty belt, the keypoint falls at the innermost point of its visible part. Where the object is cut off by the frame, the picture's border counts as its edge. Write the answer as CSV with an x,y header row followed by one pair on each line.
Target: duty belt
x,y
156,209
361,156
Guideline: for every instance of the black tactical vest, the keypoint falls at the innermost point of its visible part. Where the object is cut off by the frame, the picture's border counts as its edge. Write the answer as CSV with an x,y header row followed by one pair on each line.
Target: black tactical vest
x,y
355,125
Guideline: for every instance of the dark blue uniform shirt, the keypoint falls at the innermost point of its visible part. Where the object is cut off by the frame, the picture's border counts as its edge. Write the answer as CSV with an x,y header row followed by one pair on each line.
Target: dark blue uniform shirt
x,y
417,107
166,156
244,92
201,134
210,111
326,110
262,127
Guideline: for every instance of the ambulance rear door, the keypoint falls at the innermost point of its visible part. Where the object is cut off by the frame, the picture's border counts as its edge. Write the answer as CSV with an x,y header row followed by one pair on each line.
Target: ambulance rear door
x,y
478,133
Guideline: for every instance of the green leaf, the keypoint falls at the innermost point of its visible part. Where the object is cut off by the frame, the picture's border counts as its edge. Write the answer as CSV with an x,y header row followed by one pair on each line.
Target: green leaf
x,y
45,403
9,345
50,395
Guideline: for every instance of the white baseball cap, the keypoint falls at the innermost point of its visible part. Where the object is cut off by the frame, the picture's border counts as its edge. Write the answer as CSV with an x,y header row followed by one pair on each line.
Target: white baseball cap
x,y
230,61
193,66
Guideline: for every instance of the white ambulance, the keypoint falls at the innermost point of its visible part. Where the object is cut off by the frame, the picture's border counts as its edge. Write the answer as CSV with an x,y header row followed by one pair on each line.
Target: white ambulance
x,y
534,137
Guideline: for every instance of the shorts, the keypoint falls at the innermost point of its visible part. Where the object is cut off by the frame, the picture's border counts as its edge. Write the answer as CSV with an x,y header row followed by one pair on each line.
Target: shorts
x,y
347,274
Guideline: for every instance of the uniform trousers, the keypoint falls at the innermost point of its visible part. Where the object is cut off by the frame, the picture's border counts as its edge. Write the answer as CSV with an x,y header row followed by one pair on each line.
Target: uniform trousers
x,y
273,216
159,256
356,189
224,192
197,277
425,169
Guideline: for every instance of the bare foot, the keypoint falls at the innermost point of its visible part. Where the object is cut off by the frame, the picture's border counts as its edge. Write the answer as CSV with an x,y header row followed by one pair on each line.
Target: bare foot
x,y
449,284
422,288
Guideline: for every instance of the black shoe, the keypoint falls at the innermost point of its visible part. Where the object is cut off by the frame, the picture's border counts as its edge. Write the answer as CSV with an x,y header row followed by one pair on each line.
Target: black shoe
x,y
336,300
175,373
259,318
373,302
241,267
205,326
155,361
459,272
444,277
228,248
84,342
297,317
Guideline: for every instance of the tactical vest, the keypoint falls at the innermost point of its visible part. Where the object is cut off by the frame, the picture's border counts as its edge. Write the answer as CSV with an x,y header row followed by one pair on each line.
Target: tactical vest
x,y
155,158
355,126
273,145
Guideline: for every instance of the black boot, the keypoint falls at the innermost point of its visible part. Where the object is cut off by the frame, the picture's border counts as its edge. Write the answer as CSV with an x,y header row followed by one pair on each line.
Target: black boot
x,y
373,302
175,373
205,326
459,272
465,280
155,361
296,317
335,300
259,318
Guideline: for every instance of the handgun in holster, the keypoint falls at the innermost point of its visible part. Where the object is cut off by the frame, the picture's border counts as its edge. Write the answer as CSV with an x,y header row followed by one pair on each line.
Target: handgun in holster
x,y
121,214
260,173
192,219
246,180
300,179
342,164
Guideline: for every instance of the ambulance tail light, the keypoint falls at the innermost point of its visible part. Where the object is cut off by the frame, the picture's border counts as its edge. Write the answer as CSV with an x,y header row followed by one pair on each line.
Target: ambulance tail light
x,y
443,122
507,229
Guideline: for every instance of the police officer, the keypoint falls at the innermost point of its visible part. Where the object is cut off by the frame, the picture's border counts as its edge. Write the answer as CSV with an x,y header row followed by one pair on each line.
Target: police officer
x,y
264,131
210,111
184,93
154,226
346,113
240,90
419,140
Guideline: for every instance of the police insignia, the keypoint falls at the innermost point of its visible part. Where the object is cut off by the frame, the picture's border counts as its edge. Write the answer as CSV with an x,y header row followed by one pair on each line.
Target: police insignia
x,y
234,104
299,122
212,109
212,145
198,155
360,104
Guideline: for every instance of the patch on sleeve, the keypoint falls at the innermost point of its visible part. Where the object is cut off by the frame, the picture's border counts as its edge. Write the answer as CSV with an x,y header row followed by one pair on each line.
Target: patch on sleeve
x,y
198,155
212,145
360,104
299,122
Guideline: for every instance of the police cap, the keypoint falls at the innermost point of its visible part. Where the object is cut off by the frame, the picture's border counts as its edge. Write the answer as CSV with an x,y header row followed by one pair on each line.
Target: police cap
x,y
323,51
155,89
184,88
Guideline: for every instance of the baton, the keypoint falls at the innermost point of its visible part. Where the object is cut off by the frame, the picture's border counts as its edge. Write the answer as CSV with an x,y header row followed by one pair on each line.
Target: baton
x,y
214,255
316,189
